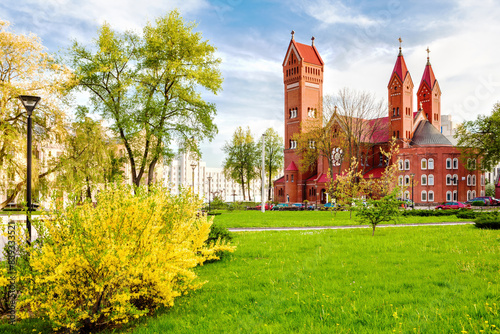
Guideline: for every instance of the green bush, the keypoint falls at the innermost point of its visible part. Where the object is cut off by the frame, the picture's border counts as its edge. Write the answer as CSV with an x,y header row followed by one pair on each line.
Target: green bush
x,y
478,203
468,214
216,232
430,213
489,220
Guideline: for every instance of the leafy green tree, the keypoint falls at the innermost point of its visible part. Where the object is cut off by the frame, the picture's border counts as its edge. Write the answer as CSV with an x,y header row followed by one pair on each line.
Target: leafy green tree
x,y
376,211
242,159
147,86
480,139
90,159
489,189
27,69
273,158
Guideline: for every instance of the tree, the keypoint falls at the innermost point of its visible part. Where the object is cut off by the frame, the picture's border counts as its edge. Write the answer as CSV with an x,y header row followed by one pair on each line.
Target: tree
x,y
360,117
480,139
26,69
147,87
242,159
273,158
90,159
383,206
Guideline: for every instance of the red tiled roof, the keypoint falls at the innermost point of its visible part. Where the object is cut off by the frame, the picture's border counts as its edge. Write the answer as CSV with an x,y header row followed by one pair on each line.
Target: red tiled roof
x,y
291,167
280,180
428,76
400,68
381,134
308,53
376,173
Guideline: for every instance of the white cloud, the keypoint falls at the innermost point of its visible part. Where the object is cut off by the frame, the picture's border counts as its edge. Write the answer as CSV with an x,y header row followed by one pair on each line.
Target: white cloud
x,y
329,13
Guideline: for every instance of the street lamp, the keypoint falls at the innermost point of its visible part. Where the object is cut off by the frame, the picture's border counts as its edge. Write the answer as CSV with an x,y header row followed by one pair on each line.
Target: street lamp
x,y
193,166
209,179
263,190
412,200
29,103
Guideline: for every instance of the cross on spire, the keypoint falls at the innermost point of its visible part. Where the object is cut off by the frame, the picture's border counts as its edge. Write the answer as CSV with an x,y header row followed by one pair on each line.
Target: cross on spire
x,y
293,33
428,51
400,42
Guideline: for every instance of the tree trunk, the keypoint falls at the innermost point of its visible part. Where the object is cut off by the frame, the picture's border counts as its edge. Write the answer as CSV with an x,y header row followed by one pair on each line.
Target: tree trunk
x,y
89,193
243,187
373,232
151,171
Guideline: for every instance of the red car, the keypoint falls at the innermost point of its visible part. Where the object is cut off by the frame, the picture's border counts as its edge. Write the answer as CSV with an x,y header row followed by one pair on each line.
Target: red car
x,y
267,206
453,205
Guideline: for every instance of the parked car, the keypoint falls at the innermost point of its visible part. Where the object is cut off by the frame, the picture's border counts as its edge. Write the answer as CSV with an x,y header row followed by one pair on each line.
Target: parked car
x,y
279,206
478,199
491,200
267,206
453,206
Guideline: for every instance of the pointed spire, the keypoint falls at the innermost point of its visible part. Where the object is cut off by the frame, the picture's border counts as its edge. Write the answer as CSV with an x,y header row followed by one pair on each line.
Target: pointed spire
x,y
428,76
400,67
293,33
312,41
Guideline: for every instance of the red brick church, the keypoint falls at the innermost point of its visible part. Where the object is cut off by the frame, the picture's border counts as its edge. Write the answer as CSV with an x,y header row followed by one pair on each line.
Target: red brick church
x,y
425,157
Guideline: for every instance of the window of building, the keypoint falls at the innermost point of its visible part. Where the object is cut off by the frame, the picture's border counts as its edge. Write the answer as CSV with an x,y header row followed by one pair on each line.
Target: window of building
x,y
455,195
430,196
407,180
407,164
430,179
423,196
473,180
407,195
448,163
448,180
482,192
287,178
423,164
292,177
455,179
473,194
448,196
468,195
455,163
430,164
400,180
401,164
423,180
482,180
468,180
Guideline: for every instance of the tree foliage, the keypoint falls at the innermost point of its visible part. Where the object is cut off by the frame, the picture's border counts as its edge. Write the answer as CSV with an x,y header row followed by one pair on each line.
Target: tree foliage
x,y
27,69
242,159
147,86
273,158
480,140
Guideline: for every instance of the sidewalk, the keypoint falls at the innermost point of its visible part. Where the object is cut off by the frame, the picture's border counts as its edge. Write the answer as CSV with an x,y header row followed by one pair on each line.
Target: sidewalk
x,y
257,229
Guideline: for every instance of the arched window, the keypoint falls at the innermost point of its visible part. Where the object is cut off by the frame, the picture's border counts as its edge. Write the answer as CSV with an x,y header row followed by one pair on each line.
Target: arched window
x,y
423,180
407,195
430,196
448,163
423,164
423,196
407,164
455,195
455,163
473,180
473,194
468,180
407,180
430,164
430,180
401,164
455,179
400,180
468,195
448,180
448,196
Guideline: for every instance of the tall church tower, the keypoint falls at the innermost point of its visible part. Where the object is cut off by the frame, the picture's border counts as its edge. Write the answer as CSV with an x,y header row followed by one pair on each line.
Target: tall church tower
x,y
400,91
303,84
429,95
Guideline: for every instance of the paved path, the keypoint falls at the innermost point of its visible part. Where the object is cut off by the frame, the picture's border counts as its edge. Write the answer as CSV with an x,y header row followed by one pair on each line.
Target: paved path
x,y
257,229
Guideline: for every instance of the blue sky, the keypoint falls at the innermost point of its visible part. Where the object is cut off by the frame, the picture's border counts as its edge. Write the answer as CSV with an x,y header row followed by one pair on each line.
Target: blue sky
x,y
356,39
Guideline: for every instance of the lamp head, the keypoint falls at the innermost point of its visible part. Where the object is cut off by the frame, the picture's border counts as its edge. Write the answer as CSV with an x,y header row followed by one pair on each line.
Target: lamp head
x,y
29,102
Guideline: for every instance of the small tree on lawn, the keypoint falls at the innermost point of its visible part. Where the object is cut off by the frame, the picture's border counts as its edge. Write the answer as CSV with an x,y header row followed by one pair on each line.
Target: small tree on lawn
x,y
349,186
386,208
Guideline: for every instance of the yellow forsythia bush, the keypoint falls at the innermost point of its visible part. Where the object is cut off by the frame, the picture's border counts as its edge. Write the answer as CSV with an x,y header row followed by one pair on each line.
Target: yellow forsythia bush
x,y
93,267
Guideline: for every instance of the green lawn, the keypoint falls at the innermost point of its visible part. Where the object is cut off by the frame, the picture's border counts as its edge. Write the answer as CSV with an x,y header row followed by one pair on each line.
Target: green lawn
x,y
403,280
307,218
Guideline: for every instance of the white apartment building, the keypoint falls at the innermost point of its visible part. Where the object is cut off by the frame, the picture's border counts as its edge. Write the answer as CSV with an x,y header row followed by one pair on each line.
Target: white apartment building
x,y
184,171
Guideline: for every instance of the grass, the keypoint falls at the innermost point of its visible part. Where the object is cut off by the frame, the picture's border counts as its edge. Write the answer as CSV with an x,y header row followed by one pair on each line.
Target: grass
x,y
403,280
307,218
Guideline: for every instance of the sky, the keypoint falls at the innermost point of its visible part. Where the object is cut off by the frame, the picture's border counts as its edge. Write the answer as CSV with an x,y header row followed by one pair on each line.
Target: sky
x,y
357,40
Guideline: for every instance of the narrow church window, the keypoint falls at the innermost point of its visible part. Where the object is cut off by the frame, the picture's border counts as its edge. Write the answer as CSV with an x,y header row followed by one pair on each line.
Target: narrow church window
x,y
473,180
292,177
407,195
397,133
448,163
407,164
430,180
424,180
455,179
448,180
393,111
423,164
473,194
400,180
424,196
407,180
448,196
287,178
430,164
397,112
455,163
400,163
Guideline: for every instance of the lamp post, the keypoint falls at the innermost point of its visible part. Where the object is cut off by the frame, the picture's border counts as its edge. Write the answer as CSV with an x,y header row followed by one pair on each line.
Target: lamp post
x,y
29,103
262,192
193,166
209,180
412,200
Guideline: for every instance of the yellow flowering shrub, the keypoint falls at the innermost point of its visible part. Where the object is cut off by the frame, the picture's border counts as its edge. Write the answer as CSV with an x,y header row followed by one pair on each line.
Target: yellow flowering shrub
x,y
92,267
